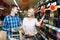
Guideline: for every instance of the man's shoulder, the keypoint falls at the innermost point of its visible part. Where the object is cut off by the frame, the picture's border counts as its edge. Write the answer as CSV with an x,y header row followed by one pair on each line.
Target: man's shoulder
x,y
7,16
18,17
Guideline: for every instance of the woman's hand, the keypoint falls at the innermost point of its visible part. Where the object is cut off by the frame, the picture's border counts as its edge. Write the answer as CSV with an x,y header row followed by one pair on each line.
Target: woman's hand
x,y
13,30
41,24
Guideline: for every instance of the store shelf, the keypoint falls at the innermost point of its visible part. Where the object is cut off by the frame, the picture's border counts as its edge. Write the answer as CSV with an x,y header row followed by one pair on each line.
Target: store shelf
x,y
53,27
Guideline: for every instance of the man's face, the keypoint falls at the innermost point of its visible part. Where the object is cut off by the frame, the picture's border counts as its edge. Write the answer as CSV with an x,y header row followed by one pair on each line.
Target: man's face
x,y
15,10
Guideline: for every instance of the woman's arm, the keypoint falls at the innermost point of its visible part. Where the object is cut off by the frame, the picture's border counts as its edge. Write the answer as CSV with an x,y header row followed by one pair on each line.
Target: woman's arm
x,y
40,22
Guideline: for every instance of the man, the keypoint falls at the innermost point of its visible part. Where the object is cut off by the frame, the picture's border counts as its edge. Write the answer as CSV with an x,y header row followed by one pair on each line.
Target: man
x,y
10,22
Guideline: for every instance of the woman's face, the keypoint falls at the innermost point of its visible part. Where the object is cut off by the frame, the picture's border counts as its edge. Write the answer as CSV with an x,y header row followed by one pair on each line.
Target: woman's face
x,y
29,14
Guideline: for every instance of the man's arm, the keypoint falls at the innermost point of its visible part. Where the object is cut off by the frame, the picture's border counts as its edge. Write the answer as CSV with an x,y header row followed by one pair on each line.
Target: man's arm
x,y
4,25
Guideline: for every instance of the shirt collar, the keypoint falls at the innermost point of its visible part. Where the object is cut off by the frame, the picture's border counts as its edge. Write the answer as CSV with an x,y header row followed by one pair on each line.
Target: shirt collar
x,y
12,16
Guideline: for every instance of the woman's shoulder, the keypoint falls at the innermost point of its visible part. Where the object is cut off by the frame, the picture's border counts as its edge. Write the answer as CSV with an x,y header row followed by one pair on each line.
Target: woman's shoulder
x,y
34,18
25,18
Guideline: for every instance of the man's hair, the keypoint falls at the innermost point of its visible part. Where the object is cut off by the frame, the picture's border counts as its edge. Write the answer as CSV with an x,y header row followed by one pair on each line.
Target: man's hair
x,y
12,6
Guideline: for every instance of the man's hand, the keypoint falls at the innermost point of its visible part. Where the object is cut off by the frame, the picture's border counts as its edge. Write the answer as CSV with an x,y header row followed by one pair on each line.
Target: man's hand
x,y
13,30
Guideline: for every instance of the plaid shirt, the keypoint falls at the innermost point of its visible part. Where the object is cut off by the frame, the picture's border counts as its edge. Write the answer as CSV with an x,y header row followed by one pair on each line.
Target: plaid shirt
x,y
10,22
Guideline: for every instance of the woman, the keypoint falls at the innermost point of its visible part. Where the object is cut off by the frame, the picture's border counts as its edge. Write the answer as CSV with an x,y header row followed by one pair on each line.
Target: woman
x,y
29,24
